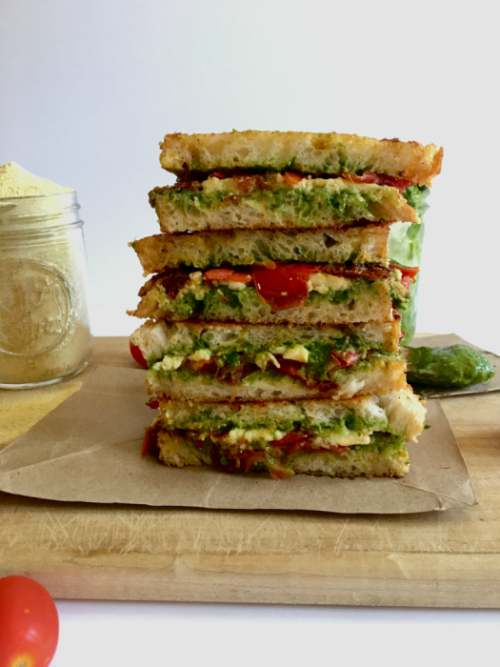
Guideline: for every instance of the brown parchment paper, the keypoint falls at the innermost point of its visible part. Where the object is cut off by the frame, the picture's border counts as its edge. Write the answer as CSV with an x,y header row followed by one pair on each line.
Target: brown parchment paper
x,y
88,449
443,340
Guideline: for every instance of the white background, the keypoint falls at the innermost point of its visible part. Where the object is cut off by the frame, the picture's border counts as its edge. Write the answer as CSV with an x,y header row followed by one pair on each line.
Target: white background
x,y
89,87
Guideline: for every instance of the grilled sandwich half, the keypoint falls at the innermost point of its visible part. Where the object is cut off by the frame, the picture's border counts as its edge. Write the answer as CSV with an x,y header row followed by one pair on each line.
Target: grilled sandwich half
x,y
361,436
217,362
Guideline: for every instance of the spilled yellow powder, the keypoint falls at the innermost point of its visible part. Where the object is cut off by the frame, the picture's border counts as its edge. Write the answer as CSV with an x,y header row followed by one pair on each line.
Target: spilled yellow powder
x,y
17,182
20,410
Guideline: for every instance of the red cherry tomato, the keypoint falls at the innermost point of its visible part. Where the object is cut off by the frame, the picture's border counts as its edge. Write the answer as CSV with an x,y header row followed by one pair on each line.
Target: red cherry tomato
x,y
29,624
135,351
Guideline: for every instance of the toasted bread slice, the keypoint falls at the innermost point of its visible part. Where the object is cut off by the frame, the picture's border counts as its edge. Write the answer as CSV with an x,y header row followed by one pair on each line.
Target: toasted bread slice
x,y
239,247
270,202
304,152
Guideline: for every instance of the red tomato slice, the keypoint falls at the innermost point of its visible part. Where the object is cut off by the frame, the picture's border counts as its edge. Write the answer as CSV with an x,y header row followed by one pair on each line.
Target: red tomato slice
x,y
136,353
29,624
285,286
227,275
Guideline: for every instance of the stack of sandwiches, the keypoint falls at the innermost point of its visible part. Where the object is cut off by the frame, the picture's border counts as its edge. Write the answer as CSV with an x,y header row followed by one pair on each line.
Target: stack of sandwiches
x,y
273,313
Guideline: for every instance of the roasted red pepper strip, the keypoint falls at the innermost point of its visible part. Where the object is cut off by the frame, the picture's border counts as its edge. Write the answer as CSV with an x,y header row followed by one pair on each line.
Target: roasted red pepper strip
x,y
227,275
410,271
380,179
291,178
250,458
344,359
285,286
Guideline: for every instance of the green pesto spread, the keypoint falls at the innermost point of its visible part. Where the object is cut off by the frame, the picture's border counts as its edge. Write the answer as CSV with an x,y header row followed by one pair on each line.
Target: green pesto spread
x,y
208,422
452,366
306,205
223,302
241,350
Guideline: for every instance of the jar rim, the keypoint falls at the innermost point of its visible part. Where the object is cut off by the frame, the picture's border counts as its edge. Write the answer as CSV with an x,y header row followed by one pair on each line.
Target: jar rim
x,y
11,198
32,211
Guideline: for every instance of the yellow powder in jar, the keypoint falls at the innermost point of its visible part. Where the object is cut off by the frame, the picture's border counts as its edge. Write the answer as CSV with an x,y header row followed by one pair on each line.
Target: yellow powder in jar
x,y
17,182
44,332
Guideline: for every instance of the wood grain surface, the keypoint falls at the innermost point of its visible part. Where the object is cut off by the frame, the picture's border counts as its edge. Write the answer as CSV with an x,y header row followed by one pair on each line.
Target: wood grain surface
x,y
439,559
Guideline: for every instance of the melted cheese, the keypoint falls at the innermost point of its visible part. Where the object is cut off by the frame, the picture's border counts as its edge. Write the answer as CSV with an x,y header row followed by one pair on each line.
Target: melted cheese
x,y
236,286
169,363
297,353
253,435
342,440
196,286
323,283
200,355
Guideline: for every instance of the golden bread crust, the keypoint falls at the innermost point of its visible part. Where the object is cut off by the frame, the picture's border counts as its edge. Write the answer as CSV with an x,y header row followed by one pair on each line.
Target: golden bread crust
x,y
305,152
240,247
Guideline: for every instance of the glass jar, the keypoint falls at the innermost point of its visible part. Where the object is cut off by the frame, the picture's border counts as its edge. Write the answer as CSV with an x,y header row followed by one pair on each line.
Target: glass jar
x,y
405,247
44,327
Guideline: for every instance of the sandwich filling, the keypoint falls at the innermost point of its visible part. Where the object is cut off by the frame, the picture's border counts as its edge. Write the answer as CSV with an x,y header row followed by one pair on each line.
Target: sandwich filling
x,y
323,360
288,199
238,293
278,457
250,436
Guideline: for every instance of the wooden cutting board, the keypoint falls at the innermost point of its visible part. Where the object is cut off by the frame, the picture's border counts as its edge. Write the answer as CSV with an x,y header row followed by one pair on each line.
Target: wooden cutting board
x,y
439,559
